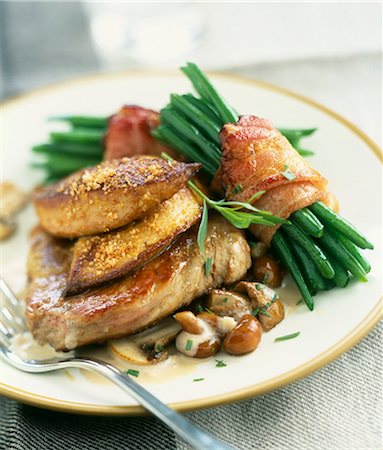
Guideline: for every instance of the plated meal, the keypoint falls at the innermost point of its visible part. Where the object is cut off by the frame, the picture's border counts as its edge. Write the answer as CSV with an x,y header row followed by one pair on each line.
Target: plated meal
x,y
174,232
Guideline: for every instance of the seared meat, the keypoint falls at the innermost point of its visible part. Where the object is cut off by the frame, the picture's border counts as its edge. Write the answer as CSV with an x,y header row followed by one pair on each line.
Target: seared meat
x,y
110,195
165,284
97,259
129,134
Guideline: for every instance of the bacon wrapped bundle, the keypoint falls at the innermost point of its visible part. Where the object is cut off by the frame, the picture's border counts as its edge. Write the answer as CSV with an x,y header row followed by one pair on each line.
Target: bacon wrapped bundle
x,y
129,134
257,157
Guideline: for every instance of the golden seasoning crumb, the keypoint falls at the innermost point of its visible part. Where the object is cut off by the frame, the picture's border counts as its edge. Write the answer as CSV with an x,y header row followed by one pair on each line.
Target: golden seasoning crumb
x,y
115,174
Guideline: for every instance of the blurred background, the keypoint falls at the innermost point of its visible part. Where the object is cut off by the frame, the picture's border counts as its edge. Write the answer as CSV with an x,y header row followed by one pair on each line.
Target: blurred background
x,y
329,51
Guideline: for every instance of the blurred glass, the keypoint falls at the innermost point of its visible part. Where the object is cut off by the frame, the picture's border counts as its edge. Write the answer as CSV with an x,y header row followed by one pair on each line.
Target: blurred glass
x,y
146,33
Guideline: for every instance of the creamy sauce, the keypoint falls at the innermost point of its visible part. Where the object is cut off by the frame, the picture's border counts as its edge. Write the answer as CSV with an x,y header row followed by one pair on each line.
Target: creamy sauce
x,y
188,343
225,325
175,366
24,346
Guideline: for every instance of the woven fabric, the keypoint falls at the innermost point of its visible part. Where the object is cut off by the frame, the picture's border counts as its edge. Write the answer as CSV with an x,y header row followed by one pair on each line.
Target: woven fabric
x,y
339,407
23,427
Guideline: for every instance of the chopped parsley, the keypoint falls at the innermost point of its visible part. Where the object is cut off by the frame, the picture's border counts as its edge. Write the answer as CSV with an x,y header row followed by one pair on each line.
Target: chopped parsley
x,y
133,372
198,379
287,336
264,308
237,189
199,308
189,345
225,300
259,286
208,264
265,277
288,174
159,348
252,244
300,301
220,363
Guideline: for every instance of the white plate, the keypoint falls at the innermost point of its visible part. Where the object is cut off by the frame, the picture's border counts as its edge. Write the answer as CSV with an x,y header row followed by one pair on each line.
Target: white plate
x,y
344,155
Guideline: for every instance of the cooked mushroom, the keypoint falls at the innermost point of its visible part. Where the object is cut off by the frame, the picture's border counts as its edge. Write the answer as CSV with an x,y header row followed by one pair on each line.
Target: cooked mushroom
x,y
245,337
202,339
265,301
227,303
258,249
267,271
149,346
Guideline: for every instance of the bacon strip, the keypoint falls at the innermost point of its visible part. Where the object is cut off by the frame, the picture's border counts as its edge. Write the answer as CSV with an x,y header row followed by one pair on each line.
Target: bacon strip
x,y
129,134
257,157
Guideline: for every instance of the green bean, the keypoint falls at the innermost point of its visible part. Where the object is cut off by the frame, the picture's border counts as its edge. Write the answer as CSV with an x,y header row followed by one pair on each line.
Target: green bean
x,y
308,222
332,246
170,137
353,250
70,148
316,254
204,108
341,277
327,215
63,164
294,136
196,117
209,93
90,136
311,275
190,132
295,133
83,121
282,249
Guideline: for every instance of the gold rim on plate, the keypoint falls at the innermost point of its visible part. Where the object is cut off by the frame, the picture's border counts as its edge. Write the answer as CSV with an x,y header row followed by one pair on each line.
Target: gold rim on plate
x,y
356,335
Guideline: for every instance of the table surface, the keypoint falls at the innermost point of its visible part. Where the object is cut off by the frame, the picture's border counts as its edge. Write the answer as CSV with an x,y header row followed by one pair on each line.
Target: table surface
x,y
338,407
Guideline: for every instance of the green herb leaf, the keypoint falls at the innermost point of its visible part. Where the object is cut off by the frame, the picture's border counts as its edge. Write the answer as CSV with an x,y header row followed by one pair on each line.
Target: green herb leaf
x,y
198,379
202,230
220,363
287,336
265,277
208,264
133,372
199,308
288,174
225,300
237,189
189,345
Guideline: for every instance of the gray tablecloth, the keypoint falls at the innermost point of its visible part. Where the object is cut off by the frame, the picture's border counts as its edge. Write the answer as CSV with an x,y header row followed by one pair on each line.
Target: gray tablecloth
x,y
340,406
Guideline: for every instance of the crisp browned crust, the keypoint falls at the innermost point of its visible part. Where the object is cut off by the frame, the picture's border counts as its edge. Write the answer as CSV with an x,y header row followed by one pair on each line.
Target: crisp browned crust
x,y
110,195
102,258
165,284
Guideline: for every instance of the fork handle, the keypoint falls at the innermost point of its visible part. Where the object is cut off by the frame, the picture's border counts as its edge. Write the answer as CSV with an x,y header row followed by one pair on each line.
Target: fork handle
x,y
191,434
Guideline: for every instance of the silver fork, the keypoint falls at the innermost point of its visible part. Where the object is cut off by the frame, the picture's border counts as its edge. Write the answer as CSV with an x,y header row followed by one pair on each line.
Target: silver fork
x,y
12,323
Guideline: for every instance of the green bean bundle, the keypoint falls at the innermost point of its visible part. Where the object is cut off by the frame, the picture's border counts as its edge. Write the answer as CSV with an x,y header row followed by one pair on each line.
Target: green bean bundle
x,y
319,248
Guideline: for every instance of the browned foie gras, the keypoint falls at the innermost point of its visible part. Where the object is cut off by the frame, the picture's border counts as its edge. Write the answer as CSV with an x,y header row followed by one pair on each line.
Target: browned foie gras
x,y
109,195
